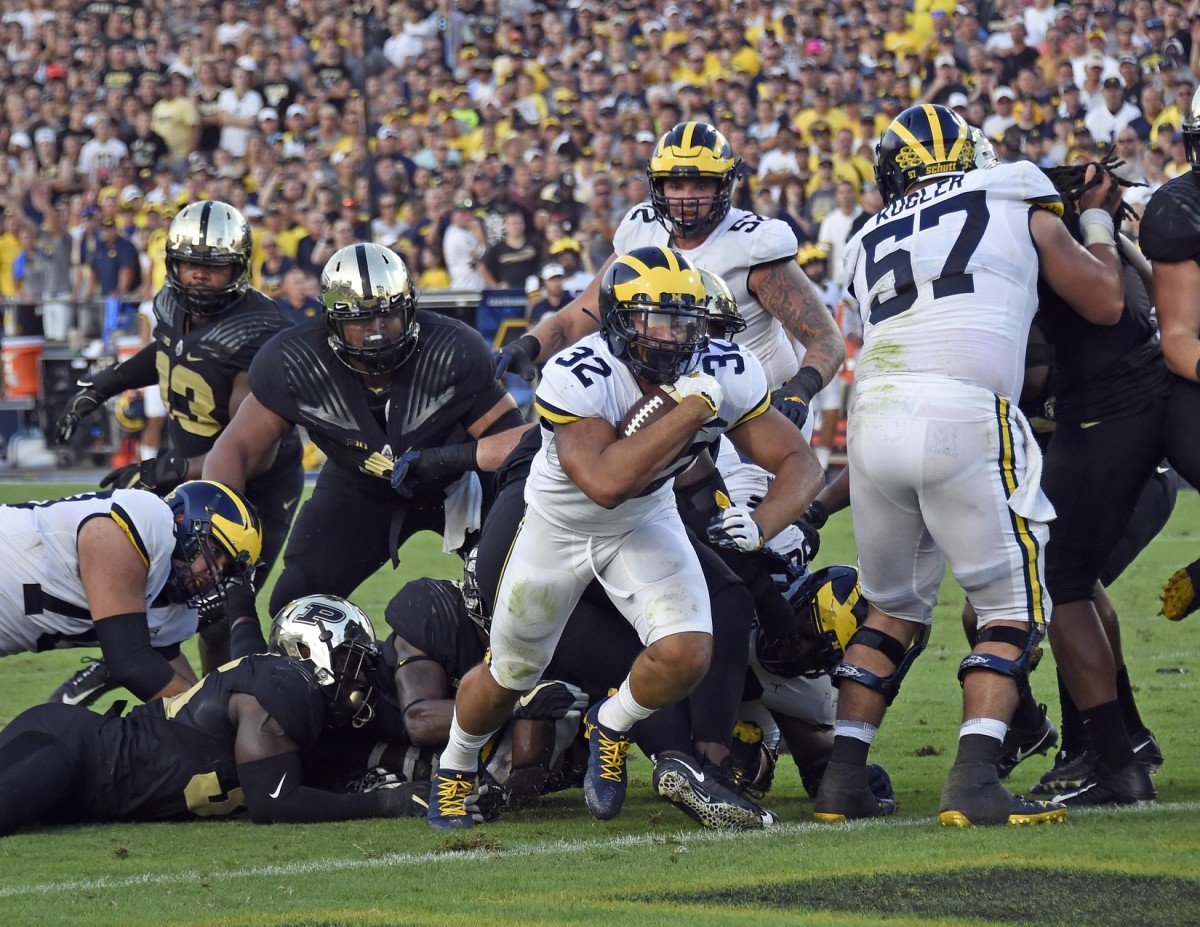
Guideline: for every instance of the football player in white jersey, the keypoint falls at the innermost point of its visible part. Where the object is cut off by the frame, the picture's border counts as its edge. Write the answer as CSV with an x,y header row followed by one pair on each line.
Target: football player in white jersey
x,y
942,464
123,569
692,174
601,506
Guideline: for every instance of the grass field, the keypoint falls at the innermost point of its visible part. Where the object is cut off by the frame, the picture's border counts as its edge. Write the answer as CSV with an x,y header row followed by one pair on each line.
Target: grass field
x,y
556,865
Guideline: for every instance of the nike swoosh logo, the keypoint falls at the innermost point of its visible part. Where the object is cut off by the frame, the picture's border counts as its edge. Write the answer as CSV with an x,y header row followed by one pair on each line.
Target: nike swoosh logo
x,y
279,788
695,772
1089,424
193,359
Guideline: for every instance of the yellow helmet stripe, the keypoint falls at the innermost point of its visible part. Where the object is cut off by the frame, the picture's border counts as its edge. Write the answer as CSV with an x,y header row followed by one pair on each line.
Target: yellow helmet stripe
x,y
939,154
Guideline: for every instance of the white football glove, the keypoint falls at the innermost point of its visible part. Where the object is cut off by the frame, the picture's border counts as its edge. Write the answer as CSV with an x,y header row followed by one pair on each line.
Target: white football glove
x,y
734,529
698,384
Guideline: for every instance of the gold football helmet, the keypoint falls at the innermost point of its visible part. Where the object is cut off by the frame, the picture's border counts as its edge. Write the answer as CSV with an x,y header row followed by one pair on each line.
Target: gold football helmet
x,y
367,287
213,233
654,313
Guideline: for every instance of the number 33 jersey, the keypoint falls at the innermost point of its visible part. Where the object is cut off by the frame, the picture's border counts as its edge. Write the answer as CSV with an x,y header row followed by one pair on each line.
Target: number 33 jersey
x,y
946,278
587,381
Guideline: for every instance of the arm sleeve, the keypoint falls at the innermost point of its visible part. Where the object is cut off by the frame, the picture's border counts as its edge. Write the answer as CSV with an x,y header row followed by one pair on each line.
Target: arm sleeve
x,y
138,371
125,642
274,795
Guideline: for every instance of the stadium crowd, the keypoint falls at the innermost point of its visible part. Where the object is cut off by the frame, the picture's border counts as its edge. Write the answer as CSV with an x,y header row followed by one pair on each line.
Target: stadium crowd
x,y
207,161
425,126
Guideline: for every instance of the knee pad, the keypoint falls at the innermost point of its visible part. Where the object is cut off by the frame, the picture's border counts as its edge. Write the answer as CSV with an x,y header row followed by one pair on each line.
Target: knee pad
x,y
887,686
1019,669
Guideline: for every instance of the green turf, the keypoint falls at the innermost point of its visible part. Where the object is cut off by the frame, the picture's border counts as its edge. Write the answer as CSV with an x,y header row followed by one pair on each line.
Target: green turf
x,y
556,865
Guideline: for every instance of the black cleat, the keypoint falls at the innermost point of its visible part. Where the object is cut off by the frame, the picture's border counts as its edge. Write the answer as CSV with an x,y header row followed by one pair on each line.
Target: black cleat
x,y
704,795
1147,750
1020,744
86,685
1070,771
1125,786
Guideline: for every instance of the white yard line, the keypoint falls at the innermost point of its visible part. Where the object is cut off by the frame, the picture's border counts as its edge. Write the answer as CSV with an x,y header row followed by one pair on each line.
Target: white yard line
x,y
555,848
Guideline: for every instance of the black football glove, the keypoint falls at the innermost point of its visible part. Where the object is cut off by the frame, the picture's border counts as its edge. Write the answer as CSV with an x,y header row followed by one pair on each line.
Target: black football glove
x,y
519,357
549,701
795,408
422,465
159,474
82,404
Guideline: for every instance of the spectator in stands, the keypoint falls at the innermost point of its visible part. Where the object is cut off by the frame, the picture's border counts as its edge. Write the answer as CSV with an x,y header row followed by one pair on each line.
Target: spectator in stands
x,y
463,249
295,296
509,262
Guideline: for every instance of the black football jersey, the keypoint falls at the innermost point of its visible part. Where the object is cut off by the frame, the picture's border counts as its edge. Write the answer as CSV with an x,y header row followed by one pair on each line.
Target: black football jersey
x,y
446,385
198,361
174,758
1170,227
1104,371
430,615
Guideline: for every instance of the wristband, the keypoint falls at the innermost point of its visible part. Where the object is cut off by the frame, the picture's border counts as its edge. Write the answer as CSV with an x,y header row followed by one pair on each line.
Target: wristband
x,y
1096,227
530,346
807,383
453,459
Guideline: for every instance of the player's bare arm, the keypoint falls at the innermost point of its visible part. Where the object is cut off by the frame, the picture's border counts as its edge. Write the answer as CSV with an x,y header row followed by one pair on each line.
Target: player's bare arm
x,y
611,470
1088,278
114,579
247,446
491,449
1177,298
787,294
772,442
424,693
578,318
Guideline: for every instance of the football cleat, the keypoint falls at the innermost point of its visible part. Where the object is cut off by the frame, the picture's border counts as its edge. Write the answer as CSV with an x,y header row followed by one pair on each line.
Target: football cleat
x,y
86,685
973,796
607,777
1147,750
1179,595
1125,786
1070,771
705,795
846,794
448,793
1021,744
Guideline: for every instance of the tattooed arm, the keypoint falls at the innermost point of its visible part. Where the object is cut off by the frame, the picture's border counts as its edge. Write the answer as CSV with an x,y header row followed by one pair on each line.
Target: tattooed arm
x,y
786,293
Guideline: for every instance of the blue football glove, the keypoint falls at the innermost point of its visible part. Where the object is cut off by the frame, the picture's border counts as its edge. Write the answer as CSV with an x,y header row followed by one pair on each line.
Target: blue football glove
x,y
795,408
406,473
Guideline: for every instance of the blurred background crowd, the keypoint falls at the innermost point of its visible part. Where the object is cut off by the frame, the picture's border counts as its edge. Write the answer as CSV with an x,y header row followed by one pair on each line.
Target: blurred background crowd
x,y
496,144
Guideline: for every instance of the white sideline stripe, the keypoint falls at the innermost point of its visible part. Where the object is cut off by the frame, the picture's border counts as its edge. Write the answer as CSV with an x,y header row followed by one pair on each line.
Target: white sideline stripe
x,y
533,849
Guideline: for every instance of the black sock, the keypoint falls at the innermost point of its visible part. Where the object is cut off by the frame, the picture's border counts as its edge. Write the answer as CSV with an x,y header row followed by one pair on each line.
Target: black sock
x,y
977,748
1106,731
1074,738
1028,715
1129,711
849,750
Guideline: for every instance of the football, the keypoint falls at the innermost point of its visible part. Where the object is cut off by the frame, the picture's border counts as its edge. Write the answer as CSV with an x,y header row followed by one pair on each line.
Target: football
x,y
650,408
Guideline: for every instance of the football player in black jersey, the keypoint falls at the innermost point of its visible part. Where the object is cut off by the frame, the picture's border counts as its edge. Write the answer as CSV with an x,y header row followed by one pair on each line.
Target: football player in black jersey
x,y
230,743
1170,238
402,402
209,325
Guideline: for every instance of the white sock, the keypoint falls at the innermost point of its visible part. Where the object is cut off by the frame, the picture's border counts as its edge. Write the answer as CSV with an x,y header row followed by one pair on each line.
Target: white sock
x,y
856,730
462,750
621,712
988,727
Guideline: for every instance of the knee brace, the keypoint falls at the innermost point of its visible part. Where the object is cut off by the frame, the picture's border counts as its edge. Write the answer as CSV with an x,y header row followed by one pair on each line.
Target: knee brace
x,y
887,686
1019,669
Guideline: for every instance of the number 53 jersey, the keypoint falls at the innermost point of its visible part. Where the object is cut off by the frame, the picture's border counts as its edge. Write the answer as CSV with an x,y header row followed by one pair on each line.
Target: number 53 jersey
x,y
946,278
587,381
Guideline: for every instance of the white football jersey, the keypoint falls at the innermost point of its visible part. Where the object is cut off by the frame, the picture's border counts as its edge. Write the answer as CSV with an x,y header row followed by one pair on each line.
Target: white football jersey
x,y
42,600
741,242
587,381
946,278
